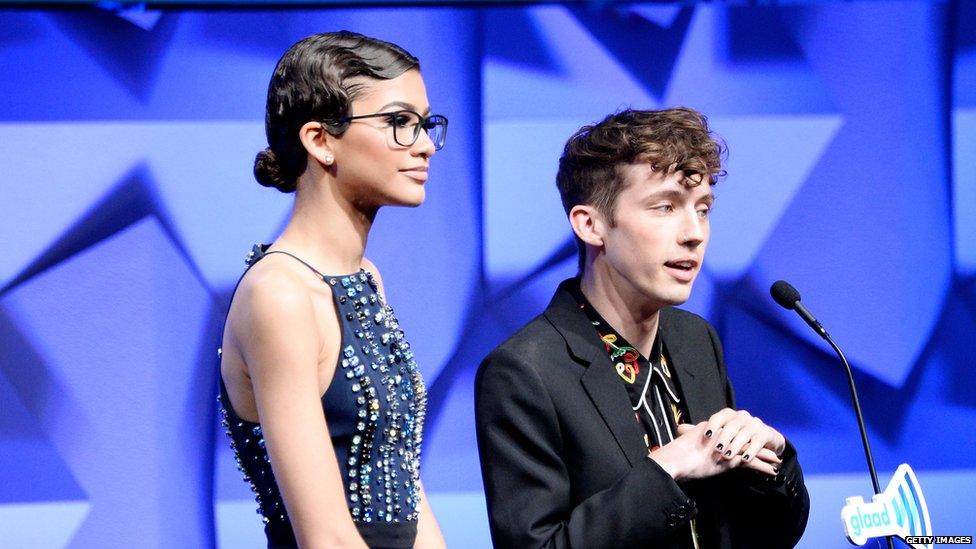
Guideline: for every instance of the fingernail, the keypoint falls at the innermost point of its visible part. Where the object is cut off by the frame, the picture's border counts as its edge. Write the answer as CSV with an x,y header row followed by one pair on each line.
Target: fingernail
x,y
776,470
720,446
728,453
708,433
745,457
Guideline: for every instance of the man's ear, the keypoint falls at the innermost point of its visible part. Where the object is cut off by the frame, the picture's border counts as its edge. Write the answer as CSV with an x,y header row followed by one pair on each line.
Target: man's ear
x,y
317,142
588,224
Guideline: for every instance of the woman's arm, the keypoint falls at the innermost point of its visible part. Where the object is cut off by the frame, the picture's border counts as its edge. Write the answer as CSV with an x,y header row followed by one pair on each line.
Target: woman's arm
x,y
281,342
429,535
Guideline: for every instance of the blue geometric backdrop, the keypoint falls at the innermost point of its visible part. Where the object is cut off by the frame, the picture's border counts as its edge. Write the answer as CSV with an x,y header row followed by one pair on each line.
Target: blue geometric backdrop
x,y
127,205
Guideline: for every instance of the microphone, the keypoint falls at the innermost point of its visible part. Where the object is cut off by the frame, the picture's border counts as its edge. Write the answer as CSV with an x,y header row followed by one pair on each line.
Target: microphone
x,y
786,295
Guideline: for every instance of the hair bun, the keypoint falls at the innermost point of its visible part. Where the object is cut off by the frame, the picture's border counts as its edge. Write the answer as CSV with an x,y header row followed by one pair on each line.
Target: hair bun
x,y
267,170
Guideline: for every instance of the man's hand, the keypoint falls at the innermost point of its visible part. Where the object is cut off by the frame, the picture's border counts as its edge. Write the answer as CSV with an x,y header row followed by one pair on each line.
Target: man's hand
x,y
729,439
692,455
737,434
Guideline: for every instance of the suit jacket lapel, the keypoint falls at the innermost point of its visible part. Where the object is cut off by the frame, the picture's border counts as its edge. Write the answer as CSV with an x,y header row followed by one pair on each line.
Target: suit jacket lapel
x,y
600,380
683,360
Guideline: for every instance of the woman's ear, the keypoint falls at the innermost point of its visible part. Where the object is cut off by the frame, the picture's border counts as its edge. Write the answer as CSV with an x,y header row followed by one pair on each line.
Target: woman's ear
x,y
588,224
317,142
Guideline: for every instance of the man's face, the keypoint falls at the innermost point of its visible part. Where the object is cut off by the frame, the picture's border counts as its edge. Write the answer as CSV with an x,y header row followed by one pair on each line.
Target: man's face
x,y
656,246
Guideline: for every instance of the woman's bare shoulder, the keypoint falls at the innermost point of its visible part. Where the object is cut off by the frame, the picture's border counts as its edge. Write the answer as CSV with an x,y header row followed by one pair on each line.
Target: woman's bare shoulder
x,y
274,305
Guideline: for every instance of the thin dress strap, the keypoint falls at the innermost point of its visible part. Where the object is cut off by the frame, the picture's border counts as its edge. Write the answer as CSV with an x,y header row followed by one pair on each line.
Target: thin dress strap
x,y
300,260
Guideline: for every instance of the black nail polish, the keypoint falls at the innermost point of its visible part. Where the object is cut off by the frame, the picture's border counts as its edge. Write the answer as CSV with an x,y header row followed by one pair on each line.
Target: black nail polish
x,y
708,433
720,446
776,470
745,457
728,453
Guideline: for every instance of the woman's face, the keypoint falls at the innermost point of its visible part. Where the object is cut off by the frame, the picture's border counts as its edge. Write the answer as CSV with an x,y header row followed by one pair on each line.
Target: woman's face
x,y
371,168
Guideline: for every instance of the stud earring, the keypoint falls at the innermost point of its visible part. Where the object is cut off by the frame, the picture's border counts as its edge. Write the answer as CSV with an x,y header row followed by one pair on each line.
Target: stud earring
x,y
329,159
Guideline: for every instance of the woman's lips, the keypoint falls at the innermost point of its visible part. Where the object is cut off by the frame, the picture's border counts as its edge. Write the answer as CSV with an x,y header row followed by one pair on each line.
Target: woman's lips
x,y
418,174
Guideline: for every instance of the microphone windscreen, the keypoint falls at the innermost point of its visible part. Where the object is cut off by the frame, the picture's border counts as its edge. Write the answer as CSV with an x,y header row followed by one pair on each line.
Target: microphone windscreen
x,y
784,294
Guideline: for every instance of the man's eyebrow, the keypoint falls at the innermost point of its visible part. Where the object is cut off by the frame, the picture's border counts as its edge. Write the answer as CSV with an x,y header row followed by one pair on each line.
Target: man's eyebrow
x,y
675,194
664,193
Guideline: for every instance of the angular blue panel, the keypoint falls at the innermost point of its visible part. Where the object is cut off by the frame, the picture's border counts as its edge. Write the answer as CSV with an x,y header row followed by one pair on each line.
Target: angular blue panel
x,y
623,32
867,240
33,470
710,77
524,220
530,51
757,35
131,55
964,188
47,524
56,185
802,389
216,207
450,450
769,160
577,91
964,69
119,327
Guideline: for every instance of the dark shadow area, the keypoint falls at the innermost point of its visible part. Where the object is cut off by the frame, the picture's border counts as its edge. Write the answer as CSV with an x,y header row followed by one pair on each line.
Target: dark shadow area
x,y
565,250
885,408
19,28
28,393
269,34
132,199
647,50
761,374
479,335
128,202
758,35
958,324
514,38
965,11
130,54
203,416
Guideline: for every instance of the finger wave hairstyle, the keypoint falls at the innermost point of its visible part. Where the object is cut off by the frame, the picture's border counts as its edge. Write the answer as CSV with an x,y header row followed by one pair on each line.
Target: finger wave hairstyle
x,y
317,79
669,140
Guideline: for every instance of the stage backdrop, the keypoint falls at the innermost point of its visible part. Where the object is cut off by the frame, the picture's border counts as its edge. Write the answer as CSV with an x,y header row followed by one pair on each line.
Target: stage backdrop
x,y
127,206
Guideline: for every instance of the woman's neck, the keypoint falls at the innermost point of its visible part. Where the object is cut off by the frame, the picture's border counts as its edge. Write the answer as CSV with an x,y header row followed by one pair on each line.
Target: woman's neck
x,y
325,229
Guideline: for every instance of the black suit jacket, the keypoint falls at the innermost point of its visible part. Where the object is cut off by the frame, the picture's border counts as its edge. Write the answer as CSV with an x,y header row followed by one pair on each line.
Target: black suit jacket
x,y
564,462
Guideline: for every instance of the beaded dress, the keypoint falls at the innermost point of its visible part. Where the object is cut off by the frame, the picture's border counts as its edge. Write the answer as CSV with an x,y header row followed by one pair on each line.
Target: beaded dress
x,y
375,406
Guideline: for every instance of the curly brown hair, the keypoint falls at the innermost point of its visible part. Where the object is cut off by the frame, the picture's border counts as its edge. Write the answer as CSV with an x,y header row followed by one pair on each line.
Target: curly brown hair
x,y
669,140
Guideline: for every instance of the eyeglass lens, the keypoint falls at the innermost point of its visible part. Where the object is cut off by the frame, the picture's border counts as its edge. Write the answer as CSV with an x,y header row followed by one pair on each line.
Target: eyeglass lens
x,y
407,126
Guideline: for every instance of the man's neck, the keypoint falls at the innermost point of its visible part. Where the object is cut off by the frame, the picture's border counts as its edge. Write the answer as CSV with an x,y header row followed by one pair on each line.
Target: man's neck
x,y
623,308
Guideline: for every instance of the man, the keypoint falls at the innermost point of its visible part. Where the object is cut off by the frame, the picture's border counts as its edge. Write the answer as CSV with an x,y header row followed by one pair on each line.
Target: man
x,y
608,420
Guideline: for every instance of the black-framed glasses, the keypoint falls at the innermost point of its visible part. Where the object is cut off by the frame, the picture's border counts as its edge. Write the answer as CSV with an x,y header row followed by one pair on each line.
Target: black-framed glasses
x,y
408,124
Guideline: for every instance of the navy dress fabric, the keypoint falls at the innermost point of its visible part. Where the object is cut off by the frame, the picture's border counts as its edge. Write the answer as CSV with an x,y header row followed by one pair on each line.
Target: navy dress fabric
x,y
375,406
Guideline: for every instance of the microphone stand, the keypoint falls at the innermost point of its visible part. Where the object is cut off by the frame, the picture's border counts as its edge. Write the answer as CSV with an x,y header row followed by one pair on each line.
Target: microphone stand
x,y
860,422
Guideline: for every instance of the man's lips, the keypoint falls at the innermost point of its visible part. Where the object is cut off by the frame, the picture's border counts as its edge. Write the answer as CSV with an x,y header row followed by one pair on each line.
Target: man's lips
x,y
683,264
683,269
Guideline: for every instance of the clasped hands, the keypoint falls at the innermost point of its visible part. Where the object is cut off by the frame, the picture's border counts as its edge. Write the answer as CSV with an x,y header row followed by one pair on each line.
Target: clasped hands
x,y
729,439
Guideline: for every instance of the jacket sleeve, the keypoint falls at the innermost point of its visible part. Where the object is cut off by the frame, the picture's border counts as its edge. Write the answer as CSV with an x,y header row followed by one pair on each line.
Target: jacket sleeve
x,y
527,484
765,511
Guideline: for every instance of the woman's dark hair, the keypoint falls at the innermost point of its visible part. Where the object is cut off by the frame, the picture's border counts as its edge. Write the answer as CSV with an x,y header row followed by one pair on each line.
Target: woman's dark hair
x,y
670,140
314,81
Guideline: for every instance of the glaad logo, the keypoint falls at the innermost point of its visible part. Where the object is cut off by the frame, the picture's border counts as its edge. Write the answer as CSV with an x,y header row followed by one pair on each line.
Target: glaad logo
x,y
899,511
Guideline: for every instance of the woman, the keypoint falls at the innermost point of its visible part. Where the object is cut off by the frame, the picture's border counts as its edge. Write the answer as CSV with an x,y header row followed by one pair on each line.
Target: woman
x,y
319,390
